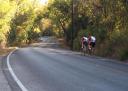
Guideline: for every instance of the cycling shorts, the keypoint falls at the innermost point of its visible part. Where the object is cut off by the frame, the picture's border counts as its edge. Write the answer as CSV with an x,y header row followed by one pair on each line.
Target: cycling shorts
x,y
93,44
85,43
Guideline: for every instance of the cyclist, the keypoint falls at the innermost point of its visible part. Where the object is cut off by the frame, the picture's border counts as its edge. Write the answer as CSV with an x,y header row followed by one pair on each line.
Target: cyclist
x,y
91,42
84,41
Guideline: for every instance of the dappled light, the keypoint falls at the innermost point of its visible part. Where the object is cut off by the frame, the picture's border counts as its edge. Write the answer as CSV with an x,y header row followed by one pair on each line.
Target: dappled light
x,y
43,2
22,21
64,45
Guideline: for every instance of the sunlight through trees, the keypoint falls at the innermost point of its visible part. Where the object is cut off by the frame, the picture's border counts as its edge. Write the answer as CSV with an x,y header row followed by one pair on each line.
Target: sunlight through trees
x,y
22,21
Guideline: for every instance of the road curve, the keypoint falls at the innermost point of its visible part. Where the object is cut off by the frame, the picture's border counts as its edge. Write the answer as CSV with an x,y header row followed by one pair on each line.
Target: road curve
x,y
48,69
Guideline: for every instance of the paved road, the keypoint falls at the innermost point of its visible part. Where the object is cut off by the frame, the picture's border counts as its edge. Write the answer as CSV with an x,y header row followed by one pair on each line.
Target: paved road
x,y
48,69
3,82
44,68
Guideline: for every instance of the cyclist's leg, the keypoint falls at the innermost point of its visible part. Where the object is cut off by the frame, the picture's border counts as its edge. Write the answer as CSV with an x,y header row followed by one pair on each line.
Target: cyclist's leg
x,y
89,49
81,49
93,47
84,48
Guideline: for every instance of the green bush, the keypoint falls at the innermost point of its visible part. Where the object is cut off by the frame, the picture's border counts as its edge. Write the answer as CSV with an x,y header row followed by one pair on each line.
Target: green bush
x,y
77,44
123,54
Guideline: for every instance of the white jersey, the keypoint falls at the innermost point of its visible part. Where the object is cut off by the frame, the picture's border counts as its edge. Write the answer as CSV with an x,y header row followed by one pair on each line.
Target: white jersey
x,y
93,39
85,39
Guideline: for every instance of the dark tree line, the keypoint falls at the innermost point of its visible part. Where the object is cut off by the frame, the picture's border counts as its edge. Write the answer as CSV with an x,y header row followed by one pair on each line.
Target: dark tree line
x,y
105,19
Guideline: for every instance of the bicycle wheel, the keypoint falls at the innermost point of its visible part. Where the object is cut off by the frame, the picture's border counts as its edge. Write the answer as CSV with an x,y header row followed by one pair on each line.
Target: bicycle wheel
x,y
84,50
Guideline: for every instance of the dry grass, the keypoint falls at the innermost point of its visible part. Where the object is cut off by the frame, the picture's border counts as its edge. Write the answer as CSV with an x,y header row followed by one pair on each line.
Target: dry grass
x,y
62,43
5,51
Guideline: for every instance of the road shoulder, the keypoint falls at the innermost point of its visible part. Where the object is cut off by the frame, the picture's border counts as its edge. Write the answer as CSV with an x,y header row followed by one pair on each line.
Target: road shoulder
x,y
4,86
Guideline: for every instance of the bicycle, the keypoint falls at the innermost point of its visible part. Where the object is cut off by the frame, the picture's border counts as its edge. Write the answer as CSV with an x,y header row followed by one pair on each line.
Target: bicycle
x,y
91,49
84,49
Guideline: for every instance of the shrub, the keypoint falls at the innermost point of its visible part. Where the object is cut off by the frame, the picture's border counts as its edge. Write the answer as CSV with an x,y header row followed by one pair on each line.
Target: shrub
x,y
77,44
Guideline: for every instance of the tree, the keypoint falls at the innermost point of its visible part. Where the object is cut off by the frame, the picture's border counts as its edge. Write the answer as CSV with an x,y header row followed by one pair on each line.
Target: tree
x,y
7,10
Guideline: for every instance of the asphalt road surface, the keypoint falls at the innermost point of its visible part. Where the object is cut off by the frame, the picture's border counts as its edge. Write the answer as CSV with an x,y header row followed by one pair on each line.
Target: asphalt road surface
x,y
49,69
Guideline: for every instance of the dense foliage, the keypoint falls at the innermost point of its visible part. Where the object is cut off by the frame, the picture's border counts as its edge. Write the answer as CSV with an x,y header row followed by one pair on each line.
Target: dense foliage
x,y
18,21
105,19
22,21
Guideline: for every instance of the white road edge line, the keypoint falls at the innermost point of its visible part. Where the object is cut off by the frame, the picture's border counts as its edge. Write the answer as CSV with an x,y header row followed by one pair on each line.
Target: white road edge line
x,y
23,88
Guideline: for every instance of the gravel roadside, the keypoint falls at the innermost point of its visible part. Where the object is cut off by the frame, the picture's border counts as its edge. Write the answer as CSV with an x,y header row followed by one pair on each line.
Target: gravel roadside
x,y
4,86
